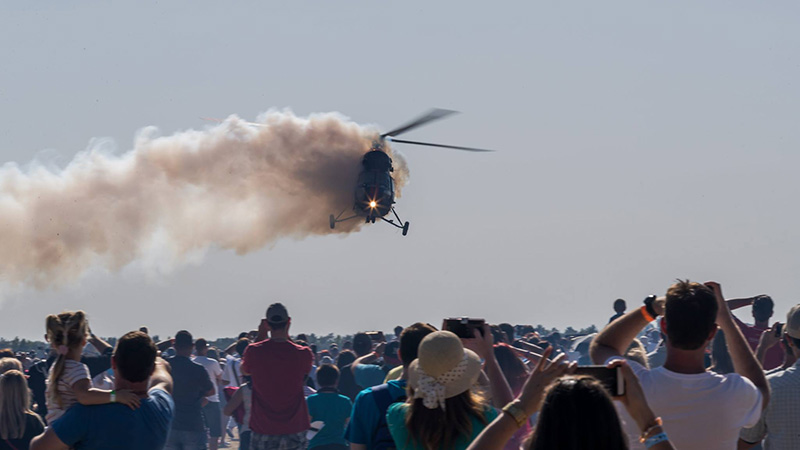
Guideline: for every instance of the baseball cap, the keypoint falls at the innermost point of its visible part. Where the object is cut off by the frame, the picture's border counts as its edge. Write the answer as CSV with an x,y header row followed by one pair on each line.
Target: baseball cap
x,y
793,322
276,313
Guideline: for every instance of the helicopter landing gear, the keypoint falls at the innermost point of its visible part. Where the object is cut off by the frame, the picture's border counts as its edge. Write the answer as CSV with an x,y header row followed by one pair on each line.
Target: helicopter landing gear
x,y
334,220
391,222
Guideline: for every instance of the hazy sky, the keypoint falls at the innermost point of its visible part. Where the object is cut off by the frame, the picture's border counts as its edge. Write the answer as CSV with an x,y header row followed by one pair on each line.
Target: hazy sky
x,y
638,142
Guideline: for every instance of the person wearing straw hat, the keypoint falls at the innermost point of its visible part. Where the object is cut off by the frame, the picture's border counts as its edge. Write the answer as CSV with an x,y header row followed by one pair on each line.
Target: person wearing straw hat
x,y
443,410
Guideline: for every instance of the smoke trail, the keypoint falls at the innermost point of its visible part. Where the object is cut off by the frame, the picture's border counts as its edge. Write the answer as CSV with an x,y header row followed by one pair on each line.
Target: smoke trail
x,y
233,186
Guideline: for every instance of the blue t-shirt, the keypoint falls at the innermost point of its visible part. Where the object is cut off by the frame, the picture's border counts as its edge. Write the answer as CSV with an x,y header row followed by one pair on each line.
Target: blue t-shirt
x,y
116,426
396,418
333,409
366,417
368,375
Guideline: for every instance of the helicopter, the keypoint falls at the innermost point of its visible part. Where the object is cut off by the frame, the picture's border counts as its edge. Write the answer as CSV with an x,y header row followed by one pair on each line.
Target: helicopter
x,y
374,190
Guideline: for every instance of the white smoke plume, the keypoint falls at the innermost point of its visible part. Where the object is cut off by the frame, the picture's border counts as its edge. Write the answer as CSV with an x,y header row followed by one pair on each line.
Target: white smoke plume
x,y
232,186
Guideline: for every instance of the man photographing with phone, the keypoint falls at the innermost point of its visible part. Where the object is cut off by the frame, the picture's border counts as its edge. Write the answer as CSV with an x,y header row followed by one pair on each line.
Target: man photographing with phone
x,y
279,415
699,409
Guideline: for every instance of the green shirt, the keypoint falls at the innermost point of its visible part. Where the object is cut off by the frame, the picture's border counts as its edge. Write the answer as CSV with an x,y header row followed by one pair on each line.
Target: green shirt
x,y
396,419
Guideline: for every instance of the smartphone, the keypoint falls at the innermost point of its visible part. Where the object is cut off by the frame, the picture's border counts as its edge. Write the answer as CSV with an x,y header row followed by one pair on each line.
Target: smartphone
x,y
376,336
611,379
464,327
778,330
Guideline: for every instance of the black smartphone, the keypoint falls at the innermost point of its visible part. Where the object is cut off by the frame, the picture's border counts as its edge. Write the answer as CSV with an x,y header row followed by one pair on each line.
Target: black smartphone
x,y
611,379
376,336
778,330
464,327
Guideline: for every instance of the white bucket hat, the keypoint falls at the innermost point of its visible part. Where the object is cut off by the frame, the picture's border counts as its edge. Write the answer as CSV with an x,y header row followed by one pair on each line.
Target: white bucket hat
x,y
443,369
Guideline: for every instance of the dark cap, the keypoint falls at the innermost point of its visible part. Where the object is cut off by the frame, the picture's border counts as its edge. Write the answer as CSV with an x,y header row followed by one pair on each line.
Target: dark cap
x,y
183,339
276,313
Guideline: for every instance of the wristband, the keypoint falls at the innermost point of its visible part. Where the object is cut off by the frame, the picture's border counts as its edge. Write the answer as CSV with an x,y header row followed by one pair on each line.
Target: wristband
x,y
514,409
657,439
657,423
113,396
648,302
646,314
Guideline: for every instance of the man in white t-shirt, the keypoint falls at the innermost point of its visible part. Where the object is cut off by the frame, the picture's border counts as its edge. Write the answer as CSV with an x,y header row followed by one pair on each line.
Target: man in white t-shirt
x,y
699,409
212,413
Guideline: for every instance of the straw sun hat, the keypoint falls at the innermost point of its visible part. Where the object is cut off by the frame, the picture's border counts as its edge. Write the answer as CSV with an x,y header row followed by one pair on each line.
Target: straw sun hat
x,y
443,369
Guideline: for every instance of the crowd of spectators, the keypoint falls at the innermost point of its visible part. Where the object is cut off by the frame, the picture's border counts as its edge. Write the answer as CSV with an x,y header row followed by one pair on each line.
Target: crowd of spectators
x,y
677,371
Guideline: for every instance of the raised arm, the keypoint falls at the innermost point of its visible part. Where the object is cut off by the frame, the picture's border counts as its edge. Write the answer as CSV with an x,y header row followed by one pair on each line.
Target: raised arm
x,y
101,345
369,358
161,377
483,345
744,362
736,303
614,339
497,434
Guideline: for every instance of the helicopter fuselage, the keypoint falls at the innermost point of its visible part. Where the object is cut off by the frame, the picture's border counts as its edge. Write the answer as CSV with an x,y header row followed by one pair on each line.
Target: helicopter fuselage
x,y
374,193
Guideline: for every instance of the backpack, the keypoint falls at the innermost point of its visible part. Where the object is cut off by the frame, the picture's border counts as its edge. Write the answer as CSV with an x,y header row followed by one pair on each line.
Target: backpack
x,y
239,412
381,437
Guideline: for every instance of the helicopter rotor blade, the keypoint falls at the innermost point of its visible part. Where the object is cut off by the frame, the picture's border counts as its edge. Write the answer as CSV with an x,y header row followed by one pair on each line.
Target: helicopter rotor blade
x,y
212,119
428,144
430,116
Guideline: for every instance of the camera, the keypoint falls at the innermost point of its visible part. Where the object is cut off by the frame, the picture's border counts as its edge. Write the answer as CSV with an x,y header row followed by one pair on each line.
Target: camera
x,y
464,327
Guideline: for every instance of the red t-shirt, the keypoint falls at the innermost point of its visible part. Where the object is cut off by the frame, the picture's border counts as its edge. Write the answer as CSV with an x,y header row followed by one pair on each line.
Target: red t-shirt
x,y
278,369
752,333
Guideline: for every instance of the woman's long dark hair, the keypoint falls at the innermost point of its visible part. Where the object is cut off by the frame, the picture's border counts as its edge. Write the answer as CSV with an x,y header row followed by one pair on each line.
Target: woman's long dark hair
x,y
433,429
513,368
578,414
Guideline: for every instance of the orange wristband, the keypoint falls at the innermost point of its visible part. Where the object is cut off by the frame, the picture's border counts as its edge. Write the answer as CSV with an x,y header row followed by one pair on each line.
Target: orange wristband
x,y
646,315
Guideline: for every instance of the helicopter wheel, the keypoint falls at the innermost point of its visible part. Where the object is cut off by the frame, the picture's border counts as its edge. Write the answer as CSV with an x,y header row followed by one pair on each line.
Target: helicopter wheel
x,y
333,221
405,228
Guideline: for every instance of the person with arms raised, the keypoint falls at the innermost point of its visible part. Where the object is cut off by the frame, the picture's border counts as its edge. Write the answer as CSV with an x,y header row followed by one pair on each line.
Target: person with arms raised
x,y
278,367
699,409
575,412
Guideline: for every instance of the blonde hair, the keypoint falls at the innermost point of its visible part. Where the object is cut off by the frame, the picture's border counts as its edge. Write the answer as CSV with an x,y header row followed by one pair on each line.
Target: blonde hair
x,y
7,364
67,329
14,400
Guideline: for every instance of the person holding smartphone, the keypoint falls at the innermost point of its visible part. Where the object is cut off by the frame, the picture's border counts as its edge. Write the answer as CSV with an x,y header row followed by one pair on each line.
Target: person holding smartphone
x,y
556,392
700,409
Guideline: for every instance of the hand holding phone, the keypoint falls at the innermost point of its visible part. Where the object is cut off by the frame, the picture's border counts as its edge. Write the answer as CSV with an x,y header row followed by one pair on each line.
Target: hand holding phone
x,y
541,376
610,377
634,399
463,327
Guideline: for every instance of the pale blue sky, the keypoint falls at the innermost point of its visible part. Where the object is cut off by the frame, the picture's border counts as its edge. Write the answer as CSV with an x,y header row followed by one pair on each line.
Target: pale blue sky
x,y
639,142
